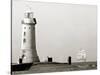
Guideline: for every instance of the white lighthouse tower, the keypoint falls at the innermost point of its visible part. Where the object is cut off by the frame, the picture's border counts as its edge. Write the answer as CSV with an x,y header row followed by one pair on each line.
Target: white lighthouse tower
x,y
28,45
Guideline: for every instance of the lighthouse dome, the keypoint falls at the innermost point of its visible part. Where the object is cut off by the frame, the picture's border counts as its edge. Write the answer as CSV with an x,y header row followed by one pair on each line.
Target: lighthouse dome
x,y
28,18
28,14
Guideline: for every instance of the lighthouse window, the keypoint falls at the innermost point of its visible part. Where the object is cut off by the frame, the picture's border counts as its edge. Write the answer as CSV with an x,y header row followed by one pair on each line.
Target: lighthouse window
x,y
24,27
24,40
33,28
24,33
24,51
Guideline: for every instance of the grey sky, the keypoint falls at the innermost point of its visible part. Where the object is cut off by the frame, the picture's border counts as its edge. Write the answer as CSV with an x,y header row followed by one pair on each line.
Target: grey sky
x,y
61,29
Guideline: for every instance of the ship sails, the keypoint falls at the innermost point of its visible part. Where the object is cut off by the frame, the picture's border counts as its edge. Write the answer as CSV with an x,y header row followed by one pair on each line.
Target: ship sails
x,y
81,56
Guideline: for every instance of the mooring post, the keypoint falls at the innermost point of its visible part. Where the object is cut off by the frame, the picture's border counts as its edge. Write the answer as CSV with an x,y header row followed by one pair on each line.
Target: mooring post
x,y
69,60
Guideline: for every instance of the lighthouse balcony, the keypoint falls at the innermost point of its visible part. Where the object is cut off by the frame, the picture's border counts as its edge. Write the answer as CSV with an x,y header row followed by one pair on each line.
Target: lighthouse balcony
x,y
29,21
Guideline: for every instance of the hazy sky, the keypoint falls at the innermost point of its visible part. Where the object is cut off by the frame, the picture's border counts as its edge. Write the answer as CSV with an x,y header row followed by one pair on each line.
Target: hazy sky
x,y
61,30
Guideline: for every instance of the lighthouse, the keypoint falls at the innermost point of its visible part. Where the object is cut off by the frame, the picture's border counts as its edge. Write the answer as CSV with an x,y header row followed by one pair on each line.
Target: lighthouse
x,y
28,43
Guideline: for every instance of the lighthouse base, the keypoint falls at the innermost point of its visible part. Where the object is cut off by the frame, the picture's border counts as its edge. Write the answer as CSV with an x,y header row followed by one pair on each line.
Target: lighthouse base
x,y
36,59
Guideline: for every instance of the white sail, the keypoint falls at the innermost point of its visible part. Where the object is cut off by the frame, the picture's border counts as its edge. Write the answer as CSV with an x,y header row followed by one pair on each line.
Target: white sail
x,y
81,56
